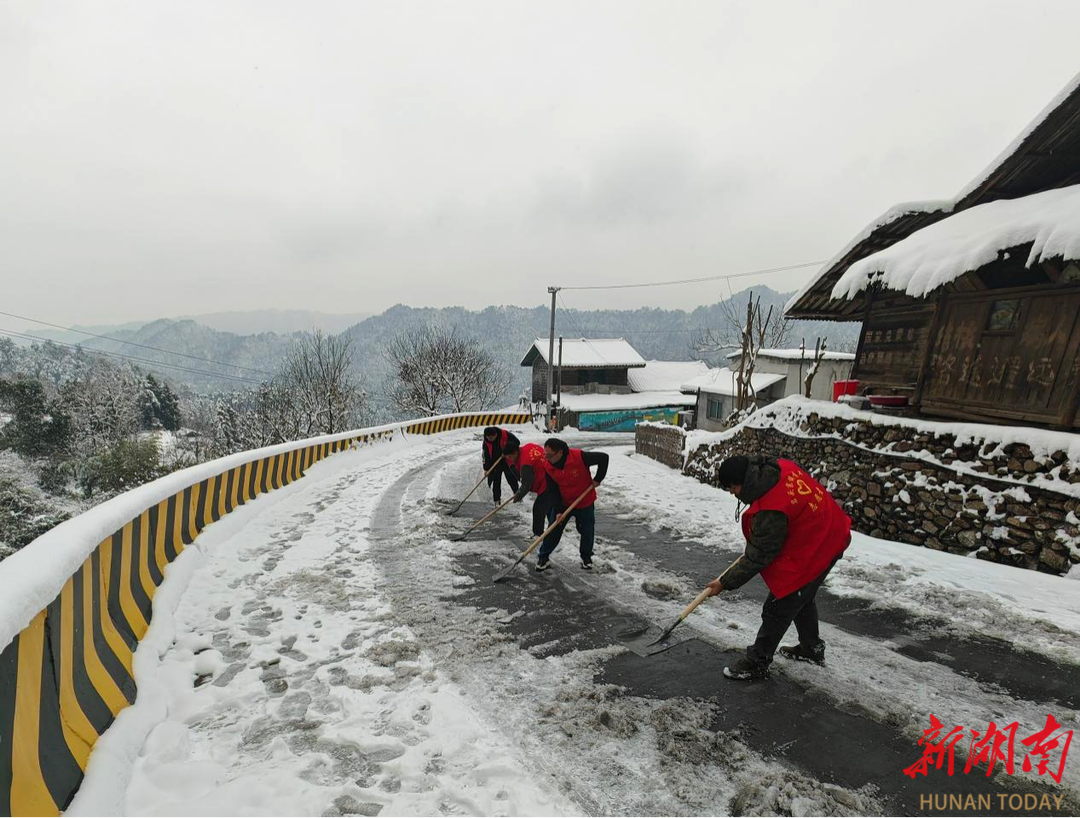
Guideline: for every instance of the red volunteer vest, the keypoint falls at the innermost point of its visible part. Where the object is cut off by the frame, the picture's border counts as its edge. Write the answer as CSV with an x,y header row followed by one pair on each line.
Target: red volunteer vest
x,y
818,529
531,454
502,444
572,479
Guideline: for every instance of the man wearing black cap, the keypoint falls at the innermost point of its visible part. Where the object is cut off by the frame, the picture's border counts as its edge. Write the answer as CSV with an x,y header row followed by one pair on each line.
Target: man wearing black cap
x,y
496,441
795,532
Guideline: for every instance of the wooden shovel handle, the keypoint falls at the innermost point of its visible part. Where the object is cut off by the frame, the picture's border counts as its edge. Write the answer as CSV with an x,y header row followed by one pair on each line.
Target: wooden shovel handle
x,y
689,609
478,482
558,521
485,518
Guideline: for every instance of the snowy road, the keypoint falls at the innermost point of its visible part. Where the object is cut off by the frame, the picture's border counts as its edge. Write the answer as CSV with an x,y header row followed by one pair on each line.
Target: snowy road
x,y
325,650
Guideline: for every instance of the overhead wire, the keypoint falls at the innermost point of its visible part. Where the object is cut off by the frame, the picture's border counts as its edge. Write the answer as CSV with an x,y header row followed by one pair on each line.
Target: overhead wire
x,y
131,343
700,280
240,379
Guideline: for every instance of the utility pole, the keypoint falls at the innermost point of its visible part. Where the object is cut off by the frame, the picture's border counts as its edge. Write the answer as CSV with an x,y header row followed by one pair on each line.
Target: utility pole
x,y
558,379
551,358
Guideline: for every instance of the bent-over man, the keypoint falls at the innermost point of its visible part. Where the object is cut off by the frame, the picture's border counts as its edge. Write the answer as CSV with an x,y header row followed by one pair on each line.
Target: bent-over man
x,y
795,533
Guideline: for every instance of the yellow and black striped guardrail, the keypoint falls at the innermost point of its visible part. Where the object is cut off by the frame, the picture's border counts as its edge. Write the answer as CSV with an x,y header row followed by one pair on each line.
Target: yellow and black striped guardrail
x,y
451,422
66,676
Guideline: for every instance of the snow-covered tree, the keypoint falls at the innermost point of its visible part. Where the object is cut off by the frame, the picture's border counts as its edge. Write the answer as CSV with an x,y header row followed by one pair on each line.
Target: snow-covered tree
x,y
38,427
103,406
438,371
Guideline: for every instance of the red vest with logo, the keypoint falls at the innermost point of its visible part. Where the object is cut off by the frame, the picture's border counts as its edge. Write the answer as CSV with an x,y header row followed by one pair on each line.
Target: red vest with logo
x,y
818,529
533,455
572,479
489,448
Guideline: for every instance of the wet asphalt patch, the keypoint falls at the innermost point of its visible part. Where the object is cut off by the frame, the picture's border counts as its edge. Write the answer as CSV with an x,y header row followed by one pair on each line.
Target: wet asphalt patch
x,y
551,613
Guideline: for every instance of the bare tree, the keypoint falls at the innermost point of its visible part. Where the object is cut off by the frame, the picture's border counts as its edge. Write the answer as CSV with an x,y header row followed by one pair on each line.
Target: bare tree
x,y
317,382
815,363
438,371
714,343
755,333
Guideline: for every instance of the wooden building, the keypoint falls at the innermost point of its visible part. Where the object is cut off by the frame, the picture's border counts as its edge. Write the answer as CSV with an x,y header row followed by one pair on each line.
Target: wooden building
x,y
970,306
589,366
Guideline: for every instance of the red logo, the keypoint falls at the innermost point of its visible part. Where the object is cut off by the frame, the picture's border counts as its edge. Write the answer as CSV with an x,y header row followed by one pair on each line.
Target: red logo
x,y
992,746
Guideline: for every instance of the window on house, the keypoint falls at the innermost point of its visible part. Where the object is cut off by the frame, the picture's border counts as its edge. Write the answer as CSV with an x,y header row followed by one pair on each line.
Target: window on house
x,y
715,410
1004,315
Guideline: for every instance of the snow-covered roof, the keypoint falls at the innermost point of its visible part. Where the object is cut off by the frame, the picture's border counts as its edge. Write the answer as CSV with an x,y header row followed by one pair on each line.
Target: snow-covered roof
x,y
1034,161
587,353
722,381
798,354
665,376
970,239
617,403
890,216
1070,88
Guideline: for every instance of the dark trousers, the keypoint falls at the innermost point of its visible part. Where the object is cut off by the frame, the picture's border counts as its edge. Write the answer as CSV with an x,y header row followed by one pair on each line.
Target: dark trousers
x,y
543,511
777,615
495,480
585,520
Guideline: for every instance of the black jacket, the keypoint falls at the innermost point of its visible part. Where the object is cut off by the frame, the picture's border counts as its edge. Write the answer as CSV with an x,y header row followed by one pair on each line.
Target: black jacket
x,y
768,530
495,451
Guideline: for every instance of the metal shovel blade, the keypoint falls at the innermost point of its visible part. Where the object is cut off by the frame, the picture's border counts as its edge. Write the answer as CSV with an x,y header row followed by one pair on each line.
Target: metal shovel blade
x,y
649,640
504,573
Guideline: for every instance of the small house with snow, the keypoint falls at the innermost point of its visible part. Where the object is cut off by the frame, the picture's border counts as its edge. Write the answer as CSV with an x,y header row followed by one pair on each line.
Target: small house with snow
x,y
971,306
603,384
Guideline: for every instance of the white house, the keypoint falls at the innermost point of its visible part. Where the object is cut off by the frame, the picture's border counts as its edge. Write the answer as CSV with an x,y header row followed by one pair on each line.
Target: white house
x,y
778,373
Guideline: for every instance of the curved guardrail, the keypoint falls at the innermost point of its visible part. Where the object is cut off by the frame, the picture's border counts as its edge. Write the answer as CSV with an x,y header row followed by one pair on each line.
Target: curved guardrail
x,y
67,645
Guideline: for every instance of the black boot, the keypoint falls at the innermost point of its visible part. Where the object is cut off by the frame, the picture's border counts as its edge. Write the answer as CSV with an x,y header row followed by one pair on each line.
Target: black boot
x,y
803,654
746,671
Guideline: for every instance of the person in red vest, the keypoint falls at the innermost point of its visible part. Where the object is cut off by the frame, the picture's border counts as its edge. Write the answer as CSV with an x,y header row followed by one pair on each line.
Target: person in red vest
x,y
495,442
531,467
569,470
795,532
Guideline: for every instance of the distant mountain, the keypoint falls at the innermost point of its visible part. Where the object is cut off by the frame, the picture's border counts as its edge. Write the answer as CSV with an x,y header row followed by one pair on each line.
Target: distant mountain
x,y
251,322
75,337
508,331
189,353
231,360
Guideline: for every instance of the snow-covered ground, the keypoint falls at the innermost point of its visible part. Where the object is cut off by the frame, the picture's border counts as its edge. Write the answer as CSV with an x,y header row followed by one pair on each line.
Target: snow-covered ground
x,y
326,650
315,700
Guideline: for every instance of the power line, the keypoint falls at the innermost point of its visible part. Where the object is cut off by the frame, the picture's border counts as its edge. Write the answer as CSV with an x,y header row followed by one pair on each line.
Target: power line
x,y
237,378
132,343
699,280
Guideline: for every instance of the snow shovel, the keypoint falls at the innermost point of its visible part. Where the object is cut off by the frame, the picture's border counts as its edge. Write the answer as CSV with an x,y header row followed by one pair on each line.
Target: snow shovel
x,y
499,577
645,642
474,488
482,520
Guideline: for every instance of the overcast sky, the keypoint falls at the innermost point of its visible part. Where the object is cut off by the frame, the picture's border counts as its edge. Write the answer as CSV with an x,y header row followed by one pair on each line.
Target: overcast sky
x,y
158,159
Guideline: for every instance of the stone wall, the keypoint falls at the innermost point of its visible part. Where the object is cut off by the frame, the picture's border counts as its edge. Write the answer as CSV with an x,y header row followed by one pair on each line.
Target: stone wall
x,y
660,441
949,492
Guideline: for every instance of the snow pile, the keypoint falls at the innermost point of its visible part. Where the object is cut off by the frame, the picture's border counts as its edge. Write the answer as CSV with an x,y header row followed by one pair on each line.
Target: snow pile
x,y
723,381
973,238
665,376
